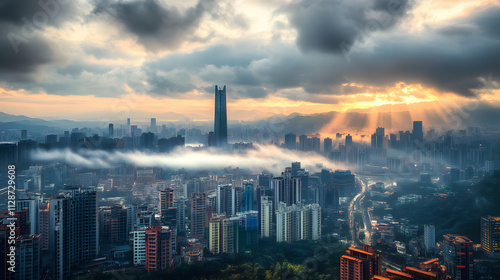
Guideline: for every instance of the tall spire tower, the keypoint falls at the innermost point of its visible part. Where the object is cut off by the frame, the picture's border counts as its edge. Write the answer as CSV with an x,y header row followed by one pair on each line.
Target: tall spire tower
x,y
220,121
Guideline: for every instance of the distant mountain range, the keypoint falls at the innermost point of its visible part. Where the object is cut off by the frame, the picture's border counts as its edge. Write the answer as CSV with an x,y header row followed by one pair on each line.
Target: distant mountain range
x,y
482,114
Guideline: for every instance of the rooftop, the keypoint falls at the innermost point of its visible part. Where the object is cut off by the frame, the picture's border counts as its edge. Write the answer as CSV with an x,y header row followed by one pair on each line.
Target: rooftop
x,y
457,239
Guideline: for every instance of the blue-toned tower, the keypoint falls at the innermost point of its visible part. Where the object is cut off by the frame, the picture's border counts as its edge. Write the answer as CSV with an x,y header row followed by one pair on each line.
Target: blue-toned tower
x,y
220,121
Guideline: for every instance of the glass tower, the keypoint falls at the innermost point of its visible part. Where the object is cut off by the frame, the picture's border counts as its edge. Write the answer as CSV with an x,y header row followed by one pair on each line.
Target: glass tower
x,y
220,121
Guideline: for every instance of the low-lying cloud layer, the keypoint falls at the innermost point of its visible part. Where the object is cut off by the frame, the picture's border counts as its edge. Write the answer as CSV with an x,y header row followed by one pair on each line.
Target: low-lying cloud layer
x,y
271,158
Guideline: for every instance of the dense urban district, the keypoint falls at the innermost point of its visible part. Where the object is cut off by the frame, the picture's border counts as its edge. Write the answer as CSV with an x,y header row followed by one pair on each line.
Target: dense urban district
x,y
404,205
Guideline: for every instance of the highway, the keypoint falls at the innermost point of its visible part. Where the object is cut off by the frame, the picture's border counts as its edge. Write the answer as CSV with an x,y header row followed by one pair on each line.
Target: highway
x,y
356,207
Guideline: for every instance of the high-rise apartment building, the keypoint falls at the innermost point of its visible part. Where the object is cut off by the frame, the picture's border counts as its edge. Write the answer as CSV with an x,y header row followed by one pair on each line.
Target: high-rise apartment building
x,y
228,200
139,243
297,222
30,204
378,138
44,218
220,121
327,146
73,230
114,224
490,235
429,237
287,188
458,257
166,200
417,132
223,235
180,204
291,141
266,217
28,257
158,248
198,214
359,264
247,201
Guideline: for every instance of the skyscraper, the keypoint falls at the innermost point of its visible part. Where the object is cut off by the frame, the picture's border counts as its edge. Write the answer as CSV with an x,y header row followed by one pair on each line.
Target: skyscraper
x,y
111,129
113,224
490,234
158,248
429,237
316,144
348,140
166,200
303,142
139,246
220,121
266,217
458,256
180,204
153,125
297,222
128,126
228,199
378,138
28,247
198,214
73,230
327,146
418,132
247,197
291,141
295,168
287,188
214,234
31,206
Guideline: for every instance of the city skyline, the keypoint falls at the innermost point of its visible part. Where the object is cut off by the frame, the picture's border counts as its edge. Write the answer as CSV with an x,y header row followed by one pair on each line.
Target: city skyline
x,y
263,139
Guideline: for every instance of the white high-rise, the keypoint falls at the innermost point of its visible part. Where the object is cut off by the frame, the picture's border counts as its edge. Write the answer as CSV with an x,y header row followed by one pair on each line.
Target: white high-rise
x,y
266,217
139,246
298,222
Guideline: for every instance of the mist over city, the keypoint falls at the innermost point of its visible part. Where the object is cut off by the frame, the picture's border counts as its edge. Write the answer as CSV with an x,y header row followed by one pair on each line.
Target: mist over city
x,y
216,139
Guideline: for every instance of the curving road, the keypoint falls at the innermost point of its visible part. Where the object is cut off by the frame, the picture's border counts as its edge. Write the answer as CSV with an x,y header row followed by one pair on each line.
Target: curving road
x,y
356,207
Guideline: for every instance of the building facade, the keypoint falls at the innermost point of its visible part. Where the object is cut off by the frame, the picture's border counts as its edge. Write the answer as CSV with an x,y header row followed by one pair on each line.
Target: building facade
x,y
458,254
220,120
490,235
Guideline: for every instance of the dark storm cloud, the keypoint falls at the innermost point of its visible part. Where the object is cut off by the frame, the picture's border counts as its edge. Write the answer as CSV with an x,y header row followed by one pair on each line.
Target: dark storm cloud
x,y
22,46
30,55
450,58
447,65
221,64
333,25
450,61
158,26
56,11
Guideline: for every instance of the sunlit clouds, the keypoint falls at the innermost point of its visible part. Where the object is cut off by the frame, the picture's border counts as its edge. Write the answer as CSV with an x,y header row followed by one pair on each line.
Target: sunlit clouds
x,y
100,60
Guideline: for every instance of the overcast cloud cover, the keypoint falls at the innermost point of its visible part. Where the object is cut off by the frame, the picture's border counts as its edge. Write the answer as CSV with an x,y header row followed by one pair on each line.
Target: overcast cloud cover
x,y
308,48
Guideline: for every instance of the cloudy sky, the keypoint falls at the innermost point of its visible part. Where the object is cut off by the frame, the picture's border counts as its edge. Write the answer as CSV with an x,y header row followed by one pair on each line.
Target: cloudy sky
x,y
156,58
